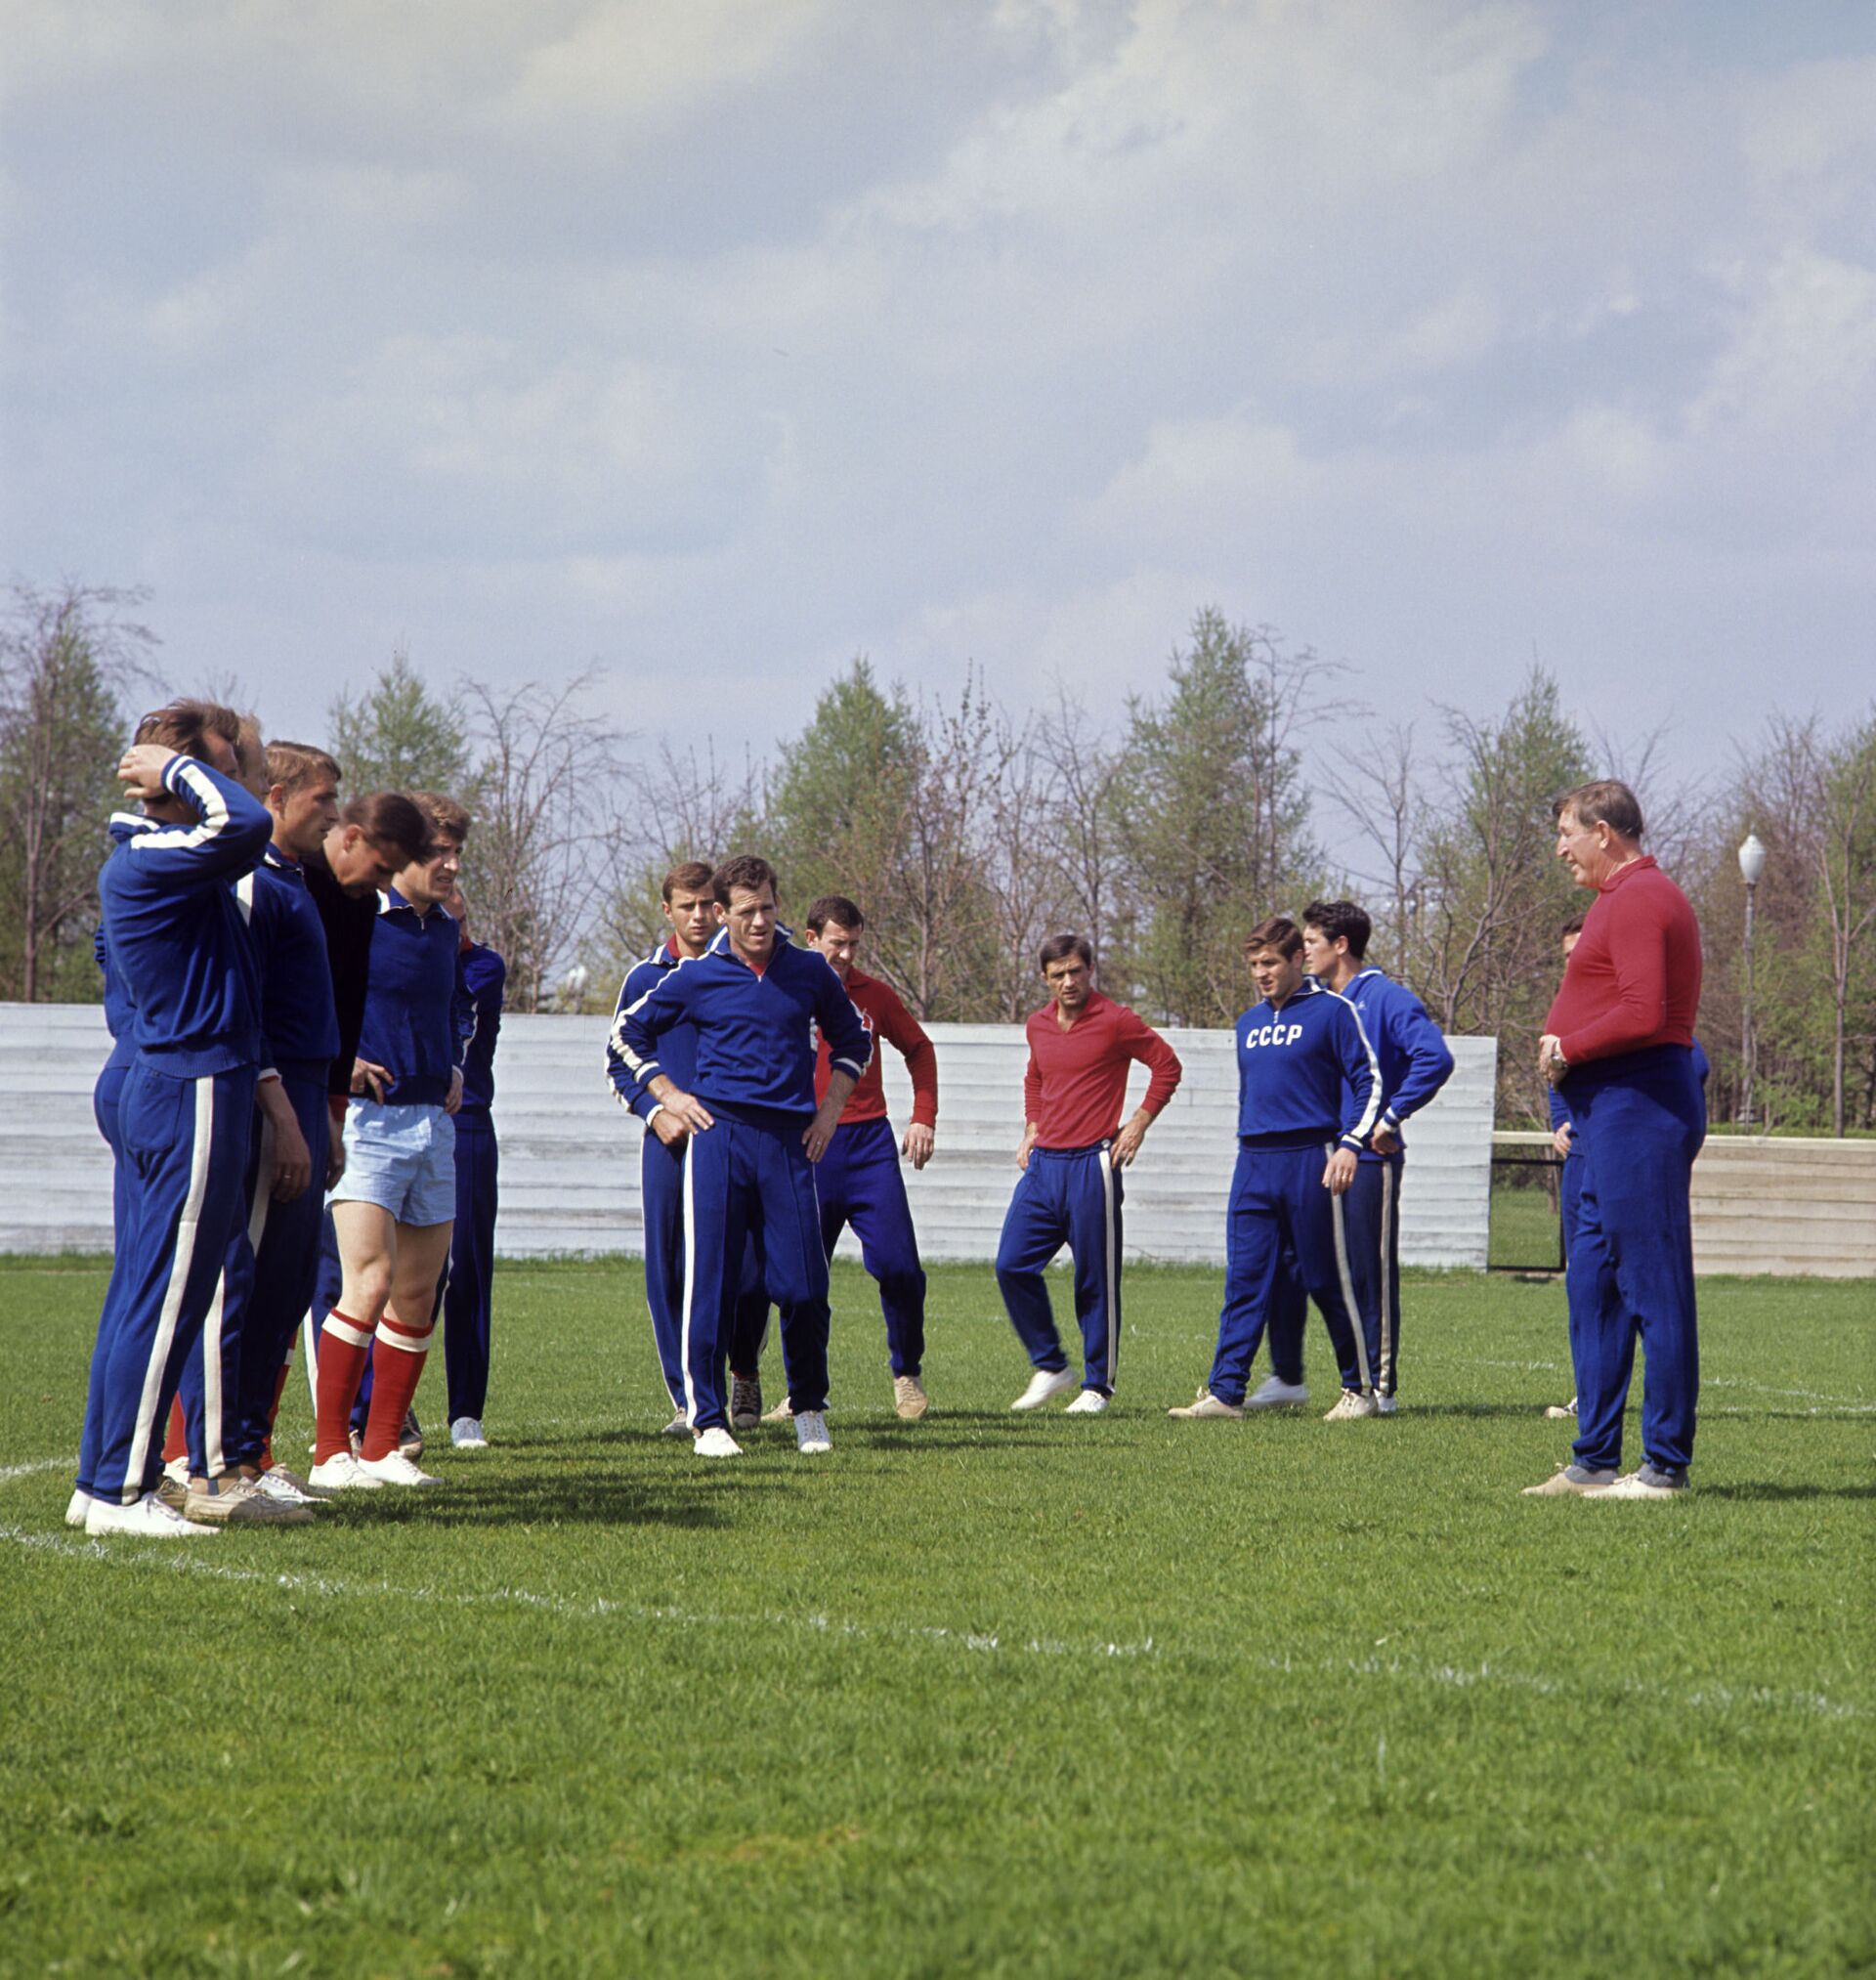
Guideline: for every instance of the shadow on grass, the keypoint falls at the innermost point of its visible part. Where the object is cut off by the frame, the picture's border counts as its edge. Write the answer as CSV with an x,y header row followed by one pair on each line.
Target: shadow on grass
x,y
586,1499
1765,1491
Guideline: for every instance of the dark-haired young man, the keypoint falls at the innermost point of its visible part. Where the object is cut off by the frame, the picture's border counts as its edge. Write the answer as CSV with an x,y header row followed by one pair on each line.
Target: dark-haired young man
x,y
173,934
1308,1096
469,1284
859,1181
691,918
394,1206
753,1132
1414,1063
1082,1047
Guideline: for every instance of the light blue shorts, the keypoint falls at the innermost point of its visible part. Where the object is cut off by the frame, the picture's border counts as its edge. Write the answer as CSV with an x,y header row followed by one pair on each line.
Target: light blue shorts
x,y
403,1159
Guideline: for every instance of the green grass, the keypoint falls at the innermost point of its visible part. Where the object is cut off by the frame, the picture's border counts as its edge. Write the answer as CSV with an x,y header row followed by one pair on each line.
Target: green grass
x,y
989,1693
1524,1234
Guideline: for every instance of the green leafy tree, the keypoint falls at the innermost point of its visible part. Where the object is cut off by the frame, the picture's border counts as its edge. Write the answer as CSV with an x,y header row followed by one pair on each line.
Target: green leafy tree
x,y
1480,939
67,659
1213,813
396,735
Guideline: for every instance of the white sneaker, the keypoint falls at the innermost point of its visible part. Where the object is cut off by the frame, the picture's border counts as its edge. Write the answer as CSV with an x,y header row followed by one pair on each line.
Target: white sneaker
x,y
149,1518
1353,1403
465,1433
80,1504
1276,1394
783,1412
1650,1482
1044,1385
271,1485
717,1442
1563,1412
1089,1402
811,1433
395,1469
678,1426
1208,1405
342,1473
1386,1405
177,1472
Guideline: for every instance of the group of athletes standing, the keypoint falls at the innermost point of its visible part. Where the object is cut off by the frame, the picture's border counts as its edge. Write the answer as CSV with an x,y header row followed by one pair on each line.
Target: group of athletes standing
x,y
299,1015
296,1011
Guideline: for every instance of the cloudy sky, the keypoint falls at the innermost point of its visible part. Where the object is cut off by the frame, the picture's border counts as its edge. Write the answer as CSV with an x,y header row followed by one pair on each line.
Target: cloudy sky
x,y
713,341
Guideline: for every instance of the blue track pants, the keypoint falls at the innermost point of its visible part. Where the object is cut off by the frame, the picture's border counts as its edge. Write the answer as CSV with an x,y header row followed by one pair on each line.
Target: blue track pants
x,y
104,1099
185,1145
662,1200
746,1183
1281,1221
859,1183
1370,1225
469,1282
1066,1196
1640,1122
283,1244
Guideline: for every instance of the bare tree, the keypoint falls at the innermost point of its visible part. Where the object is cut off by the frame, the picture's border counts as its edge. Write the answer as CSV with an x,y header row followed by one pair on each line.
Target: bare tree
x,y
1083,844
535,866
1383,798
68,657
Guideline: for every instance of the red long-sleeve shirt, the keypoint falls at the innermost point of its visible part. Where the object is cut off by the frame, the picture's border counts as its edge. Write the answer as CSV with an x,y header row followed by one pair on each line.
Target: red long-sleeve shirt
x,y
1076,1084
1634,978
884,1016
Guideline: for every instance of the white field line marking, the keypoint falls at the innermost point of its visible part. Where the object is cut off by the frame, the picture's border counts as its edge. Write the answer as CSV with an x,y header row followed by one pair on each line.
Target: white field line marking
x,y
9,1472
1852,1403
600,1609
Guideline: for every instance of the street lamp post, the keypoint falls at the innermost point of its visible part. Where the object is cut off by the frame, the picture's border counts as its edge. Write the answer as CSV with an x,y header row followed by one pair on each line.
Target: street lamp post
x,y
1752,863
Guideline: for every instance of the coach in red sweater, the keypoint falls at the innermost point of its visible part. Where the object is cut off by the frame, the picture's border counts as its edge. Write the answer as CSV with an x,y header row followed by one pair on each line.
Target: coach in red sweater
x,y
1082,1047
1619,1046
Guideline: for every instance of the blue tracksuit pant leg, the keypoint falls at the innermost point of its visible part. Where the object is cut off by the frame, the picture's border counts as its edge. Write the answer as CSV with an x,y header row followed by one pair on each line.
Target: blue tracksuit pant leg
x,y
284,1241
1288,1316
186,1145
468,1300
1372,1236
1569,1190
1640,1122
210,1385
741,1181
104,1111
1069,1197
860,1183
1259,1273
662,1197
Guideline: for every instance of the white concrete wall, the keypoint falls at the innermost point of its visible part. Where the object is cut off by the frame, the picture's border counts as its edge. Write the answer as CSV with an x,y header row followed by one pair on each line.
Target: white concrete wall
x,y
569,1154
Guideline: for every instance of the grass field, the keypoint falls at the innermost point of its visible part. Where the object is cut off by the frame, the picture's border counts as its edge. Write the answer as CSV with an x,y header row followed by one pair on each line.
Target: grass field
x,y
990,1694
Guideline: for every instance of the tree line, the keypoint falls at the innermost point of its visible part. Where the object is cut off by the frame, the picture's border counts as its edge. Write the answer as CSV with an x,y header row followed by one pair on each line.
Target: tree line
x,y
968,832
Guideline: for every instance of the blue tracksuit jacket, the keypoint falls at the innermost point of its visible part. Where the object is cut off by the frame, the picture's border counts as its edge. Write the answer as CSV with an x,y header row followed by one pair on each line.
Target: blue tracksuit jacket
x,y
1413,1057
755,1036
174,932
1306,1074
410,1002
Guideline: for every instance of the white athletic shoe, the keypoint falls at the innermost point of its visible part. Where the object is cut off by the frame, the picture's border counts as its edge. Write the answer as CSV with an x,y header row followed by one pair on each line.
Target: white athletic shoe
x,y
177,1472
1563,1412
1045,1384
80,1504
783,1412
1386,1405
1273,1393
717,1442
1089,1402
149,1518
465,1433
395,1469
811,1433
1208,1405
1650,1482
678,1426
1352,1403
342,1473
275,1483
